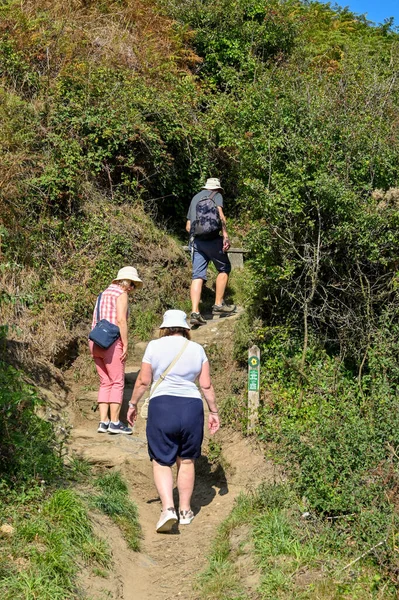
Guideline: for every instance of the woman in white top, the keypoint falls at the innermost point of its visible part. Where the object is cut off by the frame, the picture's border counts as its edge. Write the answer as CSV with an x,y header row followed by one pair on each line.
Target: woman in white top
x,y
175,424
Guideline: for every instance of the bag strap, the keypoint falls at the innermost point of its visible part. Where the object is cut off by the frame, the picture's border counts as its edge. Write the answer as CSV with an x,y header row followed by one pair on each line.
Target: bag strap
x,y
98,306
212,195
172,364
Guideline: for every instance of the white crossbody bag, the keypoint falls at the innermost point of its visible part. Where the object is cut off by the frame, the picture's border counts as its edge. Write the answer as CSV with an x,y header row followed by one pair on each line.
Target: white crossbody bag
x,y
144,408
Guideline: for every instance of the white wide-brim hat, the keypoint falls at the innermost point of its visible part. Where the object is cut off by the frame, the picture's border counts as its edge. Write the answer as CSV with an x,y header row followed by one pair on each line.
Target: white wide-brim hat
x,y
174,318
131,274
212,184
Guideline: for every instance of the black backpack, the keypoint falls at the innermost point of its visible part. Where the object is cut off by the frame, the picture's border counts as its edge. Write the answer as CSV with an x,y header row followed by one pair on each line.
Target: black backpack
x,y
207,221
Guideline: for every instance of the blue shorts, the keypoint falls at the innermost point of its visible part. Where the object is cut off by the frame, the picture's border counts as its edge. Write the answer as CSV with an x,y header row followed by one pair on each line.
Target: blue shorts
x,y
175,427
205,251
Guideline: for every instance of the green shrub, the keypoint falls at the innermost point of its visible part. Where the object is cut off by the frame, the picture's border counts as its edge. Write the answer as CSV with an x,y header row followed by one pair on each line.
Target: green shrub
x,y
236,40
28,446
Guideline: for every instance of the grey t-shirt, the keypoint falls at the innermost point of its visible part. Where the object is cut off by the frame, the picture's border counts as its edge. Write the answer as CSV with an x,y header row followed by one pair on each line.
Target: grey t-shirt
x,y
192,211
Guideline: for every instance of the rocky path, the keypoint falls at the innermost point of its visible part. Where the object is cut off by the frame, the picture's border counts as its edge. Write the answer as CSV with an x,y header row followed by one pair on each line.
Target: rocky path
x,y
167,566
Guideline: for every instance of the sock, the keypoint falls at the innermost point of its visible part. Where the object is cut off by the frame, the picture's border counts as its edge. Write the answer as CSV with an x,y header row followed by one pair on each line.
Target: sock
x,y
115,422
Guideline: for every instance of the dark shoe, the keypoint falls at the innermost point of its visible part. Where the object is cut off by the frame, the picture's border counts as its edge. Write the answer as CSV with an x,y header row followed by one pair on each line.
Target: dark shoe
x,y
120,428
166,521
103,427
223,309
197,319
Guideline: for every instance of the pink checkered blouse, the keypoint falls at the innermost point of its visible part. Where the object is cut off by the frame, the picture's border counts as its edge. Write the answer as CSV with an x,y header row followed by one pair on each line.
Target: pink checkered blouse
x,y
108,304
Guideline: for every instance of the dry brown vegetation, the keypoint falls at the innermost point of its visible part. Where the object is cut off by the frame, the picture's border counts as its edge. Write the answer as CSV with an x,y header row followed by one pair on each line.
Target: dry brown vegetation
x,y
49,331
131,33
59,248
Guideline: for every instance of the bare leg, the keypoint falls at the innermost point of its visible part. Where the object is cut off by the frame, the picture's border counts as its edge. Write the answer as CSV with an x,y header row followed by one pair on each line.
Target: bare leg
x,y
221,283
103,406
163,479
185,481
195,294
115,409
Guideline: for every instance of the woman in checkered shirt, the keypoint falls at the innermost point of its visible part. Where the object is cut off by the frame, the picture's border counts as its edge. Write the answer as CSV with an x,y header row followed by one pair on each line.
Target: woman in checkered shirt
x,y
110,362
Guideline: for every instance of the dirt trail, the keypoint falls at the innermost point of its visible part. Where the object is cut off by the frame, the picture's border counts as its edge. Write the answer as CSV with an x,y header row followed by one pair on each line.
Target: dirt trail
x,y
167,565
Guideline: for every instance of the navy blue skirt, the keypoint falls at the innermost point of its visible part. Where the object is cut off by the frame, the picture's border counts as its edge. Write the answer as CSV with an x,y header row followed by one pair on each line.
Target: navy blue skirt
x,y
175,427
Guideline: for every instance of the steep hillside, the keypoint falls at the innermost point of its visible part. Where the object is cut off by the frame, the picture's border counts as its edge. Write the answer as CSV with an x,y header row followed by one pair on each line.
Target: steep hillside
x,y
112,114
96,104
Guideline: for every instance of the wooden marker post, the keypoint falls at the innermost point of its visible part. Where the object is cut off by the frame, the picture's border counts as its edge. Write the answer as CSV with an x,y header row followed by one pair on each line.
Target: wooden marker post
x,y
253,386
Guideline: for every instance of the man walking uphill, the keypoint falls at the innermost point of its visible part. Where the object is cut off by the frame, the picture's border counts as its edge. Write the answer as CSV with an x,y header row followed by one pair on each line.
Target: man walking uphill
x,y
205,221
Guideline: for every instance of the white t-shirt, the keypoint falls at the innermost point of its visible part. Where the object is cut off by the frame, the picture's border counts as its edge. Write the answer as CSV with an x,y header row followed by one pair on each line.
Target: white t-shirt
x,y
180,381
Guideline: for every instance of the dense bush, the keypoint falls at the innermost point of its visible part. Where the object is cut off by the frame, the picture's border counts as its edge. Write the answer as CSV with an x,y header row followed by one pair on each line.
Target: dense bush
x,y
310,141
28,447
236,39
78,126
338,433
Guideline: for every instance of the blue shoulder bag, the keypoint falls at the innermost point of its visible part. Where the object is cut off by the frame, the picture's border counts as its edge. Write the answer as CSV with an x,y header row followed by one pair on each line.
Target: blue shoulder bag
x,y
104,333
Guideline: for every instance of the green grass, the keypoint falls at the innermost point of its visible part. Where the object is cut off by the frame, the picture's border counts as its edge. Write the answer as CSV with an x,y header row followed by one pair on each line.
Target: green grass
x,y
30,585
52,537
144,322
291,557
113,501
77,469
214,452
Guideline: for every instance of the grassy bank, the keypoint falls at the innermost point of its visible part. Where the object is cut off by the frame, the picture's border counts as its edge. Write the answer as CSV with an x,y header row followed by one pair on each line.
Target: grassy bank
x,y
46,533
271,548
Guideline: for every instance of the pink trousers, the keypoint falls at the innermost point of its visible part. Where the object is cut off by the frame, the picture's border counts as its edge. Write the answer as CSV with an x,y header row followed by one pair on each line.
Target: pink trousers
x,y
111,371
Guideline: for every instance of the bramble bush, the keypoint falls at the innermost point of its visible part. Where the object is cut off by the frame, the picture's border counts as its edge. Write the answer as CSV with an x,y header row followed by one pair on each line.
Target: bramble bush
x,y
342,436
236,39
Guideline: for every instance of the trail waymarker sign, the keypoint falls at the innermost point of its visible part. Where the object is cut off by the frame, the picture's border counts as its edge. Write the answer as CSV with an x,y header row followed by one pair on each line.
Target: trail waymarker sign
x,y
253,386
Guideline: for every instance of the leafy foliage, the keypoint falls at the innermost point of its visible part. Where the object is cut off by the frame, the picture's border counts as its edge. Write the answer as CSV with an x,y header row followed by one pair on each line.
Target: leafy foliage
x,y
308,139
236,39
28,446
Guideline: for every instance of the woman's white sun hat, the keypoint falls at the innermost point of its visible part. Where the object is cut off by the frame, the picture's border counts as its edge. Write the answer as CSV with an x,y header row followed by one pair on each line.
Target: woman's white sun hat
x,y
174,318
131,274
212,184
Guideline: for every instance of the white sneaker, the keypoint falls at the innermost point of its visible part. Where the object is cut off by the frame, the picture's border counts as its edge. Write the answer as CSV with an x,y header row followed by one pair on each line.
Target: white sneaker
x,y
166,521
185,517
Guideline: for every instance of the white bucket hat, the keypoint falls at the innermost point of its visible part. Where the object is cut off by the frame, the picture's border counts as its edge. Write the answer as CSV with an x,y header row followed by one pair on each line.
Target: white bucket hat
x,y
174,318
212,184
131,274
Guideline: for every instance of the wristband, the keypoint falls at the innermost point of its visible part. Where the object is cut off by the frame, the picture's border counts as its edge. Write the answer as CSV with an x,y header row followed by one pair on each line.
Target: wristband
x,y
132,405
214,412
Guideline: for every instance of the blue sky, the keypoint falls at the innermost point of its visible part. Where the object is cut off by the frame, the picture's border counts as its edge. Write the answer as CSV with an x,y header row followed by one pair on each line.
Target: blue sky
x,y
377,10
